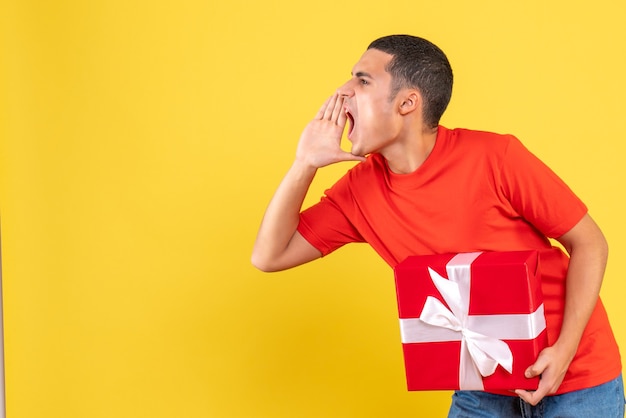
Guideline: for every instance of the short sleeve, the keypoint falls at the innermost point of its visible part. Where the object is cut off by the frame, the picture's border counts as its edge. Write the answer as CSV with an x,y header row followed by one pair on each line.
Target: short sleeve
x,y
325,224
537,194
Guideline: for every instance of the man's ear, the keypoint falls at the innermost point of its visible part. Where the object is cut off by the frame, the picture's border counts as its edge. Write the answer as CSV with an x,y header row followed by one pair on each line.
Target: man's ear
x,y
411,101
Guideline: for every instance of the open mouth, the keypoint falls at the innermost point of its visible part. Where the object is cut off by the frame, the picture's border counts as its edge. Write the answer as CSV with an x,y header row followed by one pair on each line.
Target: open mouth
x,y
350,123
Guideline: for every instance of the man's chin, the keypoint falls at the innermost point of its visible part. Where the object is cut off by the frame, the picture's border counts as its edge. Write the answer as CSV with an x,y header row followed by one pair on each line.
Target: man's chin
x,y
357,151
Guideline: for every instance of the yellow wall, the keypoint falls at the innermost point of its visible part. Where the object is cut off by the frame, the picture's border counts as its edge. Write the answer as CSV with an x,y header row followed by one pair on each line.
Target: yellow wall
x,y
141,141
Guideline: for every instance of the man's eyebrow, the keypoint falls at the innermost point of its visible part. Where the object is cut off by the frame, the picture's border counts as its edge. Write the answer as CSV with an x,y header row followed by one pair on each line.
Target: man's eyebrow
x,y
362,74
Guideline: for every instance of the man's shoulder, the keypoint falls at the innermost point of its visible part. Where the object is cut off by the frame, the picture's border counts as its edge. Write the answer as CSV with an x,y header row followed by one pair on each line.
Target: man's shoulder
x,y
468,140
477,135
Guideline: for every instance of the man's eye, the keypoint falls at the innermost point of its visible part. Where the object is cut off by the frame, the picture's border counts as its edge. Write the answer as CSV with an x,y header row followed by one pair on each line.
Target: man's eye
x,y
363,82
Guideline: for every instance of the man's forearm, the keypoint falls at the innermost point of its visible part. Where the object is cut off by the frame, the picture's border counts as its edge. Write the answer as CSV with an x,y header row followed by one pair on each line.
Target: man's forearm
x,y
282,216
584,279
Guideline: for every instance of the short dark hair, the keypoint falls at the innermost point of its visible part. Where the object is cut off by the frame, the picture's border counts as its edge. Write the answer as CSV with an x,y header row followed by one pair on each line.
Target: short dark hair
x,y
418,63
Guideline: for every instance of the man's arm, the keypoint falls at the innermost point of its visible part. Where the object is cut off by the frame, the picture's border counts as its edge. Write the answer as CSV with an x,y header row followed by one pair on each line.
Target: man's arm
x,y
588,251
278,245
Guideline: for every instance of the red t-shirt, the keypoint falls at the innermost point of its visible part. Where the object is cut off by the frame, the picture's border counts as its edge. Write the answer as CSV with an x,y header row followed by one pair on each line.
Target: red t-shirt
x,y
477,191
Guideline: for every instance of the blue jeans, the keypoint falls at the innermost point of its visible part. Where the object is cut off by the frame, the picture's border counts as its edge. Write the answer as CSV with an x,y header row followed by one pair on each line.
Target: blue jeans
x,y
603,401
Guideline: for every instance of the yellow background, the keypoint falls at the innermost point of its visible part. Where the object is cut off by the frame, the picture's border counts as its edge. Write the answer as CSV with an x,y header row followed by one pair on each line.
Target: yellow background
x,y
141,141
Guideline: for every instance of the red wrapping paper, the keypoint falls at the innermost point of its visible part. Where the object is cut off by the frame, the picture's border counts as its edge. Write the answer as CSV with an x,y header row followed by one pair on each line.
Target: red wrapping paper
x,y
452,306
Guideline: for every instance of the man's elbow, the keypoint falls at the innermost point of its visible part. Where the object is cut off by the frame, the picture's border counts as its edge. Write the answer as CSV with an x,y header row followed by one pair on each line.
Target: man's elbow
x,y
296,253
587,237
263,263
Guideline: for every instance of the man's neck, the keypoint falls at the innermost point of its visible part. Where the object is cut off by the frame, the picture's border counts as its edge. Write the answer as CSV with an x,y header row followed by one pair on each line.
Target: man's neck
x,y
408,155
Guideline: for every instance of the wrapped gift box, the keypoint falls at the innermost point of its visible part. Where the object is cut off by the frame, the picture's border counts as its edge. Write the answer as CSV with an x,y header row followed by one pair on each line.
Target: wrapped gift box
x,y
470,321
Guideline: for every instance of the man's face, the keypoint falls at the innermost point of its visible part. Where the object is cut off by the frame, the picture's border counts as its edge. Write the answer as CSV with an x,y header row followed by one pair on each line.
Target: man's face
x,y
373,122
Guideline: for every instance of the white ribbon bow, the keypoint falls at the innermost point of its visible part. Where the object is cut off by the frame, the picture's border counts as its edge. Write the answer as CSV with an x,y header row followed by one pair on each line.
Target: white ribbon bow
x,y
482,348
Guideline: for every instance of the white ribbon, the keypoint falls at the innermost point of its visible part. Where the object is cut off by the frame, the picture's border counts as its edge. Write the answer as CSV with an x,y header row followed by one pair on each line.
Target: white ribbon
x,y
482,348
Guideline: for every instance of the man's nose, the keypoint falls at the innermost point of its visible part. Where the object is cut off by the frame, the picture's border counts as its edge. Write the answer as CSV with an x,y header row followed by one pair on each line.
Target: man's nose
x,y
346,90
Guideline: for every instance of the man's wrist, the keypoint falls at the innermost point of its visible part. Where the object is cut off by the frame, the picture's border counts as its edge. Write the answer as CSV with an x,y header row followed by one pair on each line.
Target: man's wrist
x,y
303,168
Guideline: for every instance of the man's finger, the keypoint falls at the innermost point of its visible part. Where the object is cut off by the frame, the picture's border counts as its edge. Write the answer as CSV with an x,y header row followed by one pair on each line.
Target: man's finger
x,y
526,396
533,371
538,367
330,107
320,113
338,110
532,398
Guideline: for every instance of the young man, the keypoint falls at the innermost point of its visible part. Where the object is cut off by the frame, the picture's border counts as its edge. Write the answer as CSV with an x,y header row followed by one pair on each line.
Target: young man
x,y
421,188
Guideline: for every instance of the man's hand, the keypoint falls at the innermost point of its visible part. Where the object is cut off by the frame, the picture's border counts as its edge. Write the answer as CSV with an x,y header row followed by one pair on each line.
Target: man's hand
x,y
551,365
320,141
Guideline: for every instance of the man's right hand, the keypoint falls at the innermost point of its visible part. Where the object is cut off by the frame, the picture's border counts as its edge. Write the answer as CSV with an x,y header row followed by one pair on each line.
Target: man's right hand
x,y
320,142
